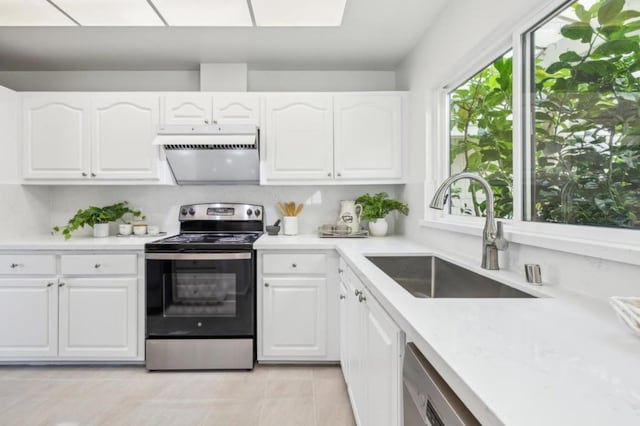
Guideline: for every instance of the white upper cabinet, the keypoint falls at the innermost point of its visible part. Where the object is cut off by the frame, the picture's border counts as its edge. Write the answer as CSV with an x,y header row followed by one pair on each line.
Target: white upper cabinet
x,y
236,108
368,136
56,136
299,137
188,108
201,108
124,127
88,137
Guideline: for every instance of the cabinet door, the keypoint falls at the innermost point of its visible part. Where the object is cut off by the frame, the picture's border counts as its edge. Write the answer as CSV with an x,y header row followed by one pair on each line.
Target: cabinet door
x,y
355,346
368,136
294,317
299,137
236,108
29,326
56,136
344,324
383,365
187,108
124,127
98,318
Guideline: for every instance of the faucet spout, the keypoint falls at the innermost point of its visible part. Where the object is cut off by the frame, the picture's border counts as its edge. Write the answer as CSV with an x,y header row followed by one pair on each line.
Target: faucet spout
x,y
492,238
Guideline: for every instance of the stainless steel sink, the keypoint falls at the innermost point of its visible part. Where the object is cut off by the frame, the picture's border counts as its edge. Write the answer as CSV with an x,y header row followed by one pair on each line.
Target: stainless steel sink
x,y
430,276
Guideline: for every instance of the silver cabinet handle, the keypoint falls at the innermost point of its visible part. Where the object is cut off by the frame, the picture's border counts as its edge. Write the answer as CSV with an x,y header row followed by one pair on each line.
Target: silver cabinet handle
x,y
266,284
84,174
93,175
339,174
14,265
329,174
293,265
62,284
97,265
362,298
342,297
49,284
340,270
357,292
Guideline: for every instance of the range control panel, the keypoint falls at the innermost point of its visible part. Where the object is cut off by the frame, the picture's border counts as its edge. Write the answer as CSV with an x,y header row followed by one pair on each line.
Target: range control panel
x,y
220,211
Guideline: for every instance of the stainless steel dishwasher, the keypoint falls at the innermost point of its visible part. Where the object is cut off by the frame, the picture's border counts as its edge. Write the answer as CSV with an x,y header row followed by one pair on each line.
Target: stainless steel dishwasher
x,y
428,400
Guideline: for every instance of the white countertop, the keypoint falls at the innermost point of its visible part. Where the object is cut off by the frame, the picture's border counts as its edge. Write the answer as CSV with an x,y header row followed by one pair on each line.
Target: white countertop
x,y
562,359
57,242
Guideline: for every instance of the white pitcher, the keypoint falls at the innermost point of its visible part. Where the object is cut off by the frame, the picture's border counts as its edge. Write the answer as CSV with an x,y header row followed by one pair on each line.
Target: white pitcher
x,y
350,213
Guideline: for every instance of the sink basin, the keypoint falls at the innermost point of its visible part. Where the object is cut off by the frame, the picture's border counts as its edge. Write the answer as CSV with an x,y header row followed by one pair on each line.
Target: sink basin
x,y
430,276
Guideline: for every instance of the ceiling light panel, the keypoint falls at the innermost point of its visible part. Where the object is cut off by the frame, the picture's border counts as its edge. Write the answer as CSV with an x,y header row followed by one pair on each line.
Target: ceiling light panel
x,y
26,13
110,13
205,13
298,13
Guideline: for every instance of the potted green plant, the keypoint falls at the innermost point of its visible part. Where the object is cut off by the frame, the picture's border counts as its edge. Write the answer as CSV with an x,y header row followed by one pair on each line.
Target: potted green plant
x,y
98,218
376,207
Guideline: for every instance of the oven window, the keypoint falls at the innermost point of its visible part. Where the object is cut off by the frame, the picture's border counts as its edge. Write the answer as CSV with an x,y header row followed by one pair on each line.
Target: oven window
x,y
198,293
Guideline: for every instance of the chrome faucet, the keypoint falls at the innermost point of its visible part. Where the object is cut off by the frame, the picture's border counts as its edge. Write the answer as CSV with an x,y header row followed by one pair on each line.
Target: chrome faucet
x,y
492,235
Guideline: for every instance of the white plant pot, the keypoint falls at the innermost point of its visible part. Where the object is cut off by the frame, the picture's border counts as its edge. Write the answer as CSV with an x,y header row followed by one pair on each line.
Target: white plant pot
x,y
290,225
378,228
101,230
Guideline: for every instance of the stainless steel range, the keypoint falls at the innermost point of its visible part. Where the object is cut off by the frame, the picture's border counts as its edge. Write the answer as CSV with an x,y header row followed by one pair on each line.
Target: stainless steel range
x,y
201,287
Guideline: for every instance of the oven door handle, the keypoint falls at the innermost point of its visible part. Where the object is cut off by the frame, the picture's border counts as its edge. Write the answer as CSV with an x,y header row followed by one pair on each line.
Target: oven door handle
x,y
198,256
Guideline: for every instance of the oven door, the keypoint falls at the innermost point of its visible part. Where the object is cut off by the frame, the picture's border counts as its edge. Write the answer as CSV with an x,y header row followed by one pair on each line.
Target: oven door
x,y
200,294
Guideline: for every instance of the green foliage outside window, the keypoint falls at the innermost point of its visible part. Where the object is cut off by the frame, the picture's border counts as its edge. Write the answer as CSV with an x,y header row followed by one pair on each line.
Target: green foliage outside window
x,y
587,123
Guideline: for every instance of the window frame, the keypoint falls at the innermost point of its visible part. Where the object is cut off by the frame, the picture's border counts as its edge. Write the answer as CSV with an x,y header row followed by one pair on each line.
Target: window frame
x,y
618,244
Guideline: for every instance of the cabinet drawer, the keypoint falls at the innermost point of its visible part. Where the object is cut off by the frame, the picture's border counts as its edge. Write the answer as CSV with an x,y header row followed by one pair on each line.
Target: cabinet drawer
x,y
98,264
293,263
27,264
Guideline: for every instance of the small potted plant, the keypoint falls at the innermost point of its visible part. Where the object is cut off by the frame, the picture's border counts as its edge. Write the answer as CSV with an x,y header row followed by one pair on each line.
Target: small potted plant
x,y
98,218
376,207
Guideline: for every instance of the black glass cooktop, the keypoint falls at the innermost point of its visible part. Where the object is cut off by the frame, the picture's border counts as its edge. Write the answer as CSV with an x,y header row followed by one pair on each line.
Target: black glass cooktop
x,y
203,241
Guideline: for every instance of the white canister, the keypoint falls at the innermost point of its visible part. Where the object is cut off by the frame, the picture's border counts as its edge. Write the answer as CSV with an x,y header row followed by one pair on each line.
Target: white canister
x,y
125,229
153,229
290,224
101,230
139,229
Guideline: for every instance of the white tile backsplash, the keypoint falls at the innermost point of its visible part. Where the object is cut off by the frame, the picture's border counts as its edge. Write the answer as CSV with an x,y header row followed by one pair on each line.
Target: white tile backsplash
x,y
161,203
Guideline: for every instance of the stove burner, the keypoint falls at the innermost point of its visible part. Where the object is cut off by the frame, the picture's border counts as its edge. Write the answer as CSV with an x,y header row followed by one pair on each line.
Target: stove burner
x,y
212,238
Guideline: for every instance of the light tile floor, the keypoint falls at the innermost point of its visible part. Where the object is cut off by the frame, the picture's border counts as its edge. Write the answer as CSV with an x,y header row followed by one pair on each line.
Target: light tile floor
x,y
268,395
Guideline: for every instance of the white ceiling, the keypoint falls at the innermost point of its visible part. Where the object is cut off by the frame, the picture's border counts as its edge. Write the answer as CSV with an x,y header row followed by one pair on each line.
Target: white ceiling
x,y
375,35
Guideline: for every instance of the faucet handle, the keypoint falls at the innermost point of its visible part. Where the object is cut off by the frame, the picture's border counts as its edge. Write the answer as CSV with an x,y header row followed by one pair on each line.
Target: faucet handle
x,y
500,242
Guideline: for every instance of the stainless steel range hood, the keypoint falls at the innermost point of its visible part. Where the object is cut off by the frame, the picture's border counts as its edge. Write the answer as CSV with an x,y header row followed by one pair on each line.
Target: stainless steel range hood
x,y
211,154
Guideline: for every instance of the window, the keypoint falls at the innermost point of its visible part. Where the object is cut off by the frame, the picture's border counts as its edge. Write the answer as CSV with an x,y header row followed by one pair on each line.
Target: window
x,y
585,146
580,146
481,138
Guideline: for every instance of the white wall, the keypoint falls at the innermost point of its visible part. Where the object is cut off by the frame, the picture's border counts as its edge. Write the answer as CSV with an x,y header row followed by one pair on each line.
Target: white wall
x,y
452,41
23,211
258,80
278,80
160,204
88,81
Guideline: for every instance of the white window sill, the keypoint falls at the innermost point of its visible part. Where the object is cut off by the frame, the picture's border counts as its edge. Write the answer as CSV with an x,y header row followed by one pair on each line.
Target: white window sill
x,y
618,249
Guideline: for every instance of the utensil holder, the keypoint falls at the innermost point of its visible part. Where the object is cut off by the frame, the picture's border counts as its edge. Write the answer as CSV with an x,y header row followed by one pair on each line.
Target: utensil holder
x,y
290,224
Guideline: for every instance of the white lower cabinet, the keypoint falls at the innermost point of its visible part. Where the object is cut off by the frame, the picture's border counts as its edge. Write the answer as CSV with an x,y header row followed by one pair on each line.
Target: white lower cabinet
x,y
84,317
29,317
294,317
373,356
297,306
98,317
